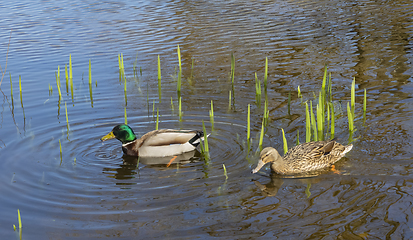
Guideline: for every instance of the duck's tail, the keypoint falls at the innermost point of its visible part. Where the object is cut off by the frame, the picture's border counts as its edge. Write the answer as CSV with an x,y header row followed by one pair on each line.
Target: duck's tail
x,y
199,135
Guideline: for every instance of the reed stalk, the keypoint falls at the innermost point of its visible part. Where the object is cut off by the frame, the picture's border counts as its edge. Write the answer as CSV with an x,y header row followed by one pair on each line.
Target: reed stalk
x,y
126,117
298,138
67,79
350,118
157,118
172,104
261,135
179,58
20,89
159,80
257,90
284,142
153,108
206,148
353,96
307,124
180,109
71,75
225,171
319,123
299,92
211,116
323,91
265,74
332,121
313,123
20,219
57,83
248,123
67,118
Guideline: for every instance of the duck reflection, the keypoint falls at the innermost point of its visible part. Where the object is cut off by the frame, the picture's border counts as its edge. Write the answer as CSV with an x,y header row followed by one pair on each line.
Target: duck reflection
x,y
272,187
130,164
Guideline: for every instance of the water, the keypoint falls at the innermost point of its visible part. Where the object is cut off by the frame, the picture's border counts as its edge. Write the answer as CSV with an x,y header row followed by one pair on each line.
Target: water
x,y
94,192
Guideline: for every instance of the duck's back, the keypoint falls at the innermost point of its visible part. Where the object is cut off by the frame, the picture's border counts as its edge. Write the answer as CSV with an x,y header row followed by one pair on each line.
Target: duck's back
x,y
314,155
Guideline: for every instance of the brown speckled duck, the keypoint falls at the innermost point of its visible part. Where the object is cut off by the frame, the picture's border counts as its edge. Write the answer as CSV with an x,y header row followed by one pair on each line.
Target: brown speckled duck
x,y
157,143
304,157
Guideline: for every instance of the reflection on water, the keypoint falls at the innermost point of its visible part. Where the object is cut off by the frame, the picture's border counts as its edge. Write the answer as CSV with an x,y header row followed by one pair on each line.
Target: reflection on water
x,y
105,195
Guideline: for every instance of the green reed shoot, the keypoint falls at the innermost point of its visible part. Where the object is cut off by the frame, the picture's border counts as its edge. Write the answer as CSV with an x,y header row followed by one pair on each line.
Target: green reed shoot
x,y
323,90
153,108
206,148
225,171
364,106
61,155
353,96
67,118
211,116
313,123
71,75
90,73
159,80
319,123
307,124
350,118
298,138
50,91
179,58
157,118
20,88
307,190
67,79
266,113
265,74
299,92
257,90
180,108
58,83
285,146
172,104
126,117
321,103
332,120
19,218
249,123
330,88
261,135
74,161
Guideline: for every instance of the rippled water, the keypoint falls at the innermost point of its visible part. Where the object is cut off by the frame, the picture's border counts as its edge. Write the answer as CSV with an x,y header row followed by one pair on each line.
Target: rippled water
x,y
93,192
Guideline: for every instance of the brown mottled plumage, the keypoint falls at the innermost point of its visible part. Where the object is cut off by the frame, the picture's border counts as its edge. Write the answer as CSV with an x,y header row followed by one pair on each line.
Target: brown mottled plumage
x,y
304,157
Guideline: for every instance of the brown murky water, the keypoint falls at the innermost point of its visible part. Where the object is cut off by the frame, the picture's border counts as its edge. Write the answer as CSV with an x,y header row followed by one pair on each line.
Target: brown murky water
x,y
94,192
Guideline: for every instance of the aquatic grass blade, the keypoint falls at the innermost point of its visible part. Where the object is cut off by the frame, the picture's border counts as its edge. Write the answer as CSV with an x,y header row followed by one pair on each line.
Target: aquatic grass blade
x,y
313,122
265,74
261,135
157,118
350,118
353,96
332,129
298,138
225,171
248,124
126,117
67,118
19,218
364,106
211,116
285,147
307,124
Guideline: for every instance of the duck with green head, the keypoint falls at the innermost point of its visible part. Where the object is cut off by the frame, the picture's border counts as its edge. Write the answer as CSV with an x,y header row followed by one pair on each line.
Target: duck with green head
x,y
305,157
157,143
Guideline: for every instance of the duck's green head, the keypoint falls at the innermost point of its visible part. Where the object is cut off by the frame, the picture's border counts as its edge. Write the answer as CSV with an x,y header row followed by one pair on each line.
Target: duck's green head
x,y
121,132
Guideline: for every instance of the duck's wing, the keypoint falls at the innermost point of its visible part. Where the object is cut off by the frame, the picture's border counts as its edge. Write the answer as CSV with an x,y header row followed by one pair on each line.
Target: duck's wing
x,y
165,137
309,151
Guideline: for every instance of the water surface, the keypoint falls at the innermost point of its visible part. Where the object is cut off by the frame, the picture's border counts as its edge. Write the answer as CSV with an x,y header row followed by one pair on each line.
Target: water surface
x,y
95,192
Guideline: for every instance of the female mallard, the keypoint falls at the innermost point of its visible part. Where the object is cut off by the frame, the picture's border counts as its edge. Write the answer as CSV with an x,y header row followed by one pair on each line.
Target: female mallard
x,y
304,157
157,143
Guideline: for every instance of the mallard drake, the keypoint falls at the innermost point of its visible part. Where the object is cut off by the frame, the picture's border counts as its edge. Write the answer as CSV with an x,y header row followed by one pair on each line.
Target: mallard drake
x,y
304,157
157,143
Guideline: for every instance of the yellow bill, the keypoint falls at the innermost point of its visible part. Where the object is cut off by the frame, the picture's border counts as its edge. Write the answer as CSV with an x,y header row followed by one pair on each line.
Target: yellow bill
x,y
108,136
